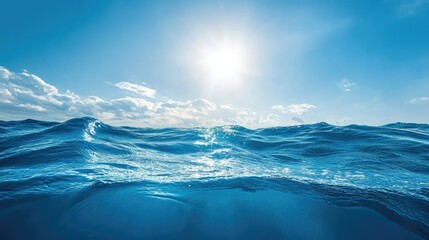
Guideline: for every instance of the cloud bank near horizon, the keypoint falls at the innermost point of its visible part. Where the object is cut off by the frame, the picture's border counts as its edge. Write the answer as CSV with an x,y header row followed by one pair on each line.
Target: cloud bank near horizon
x,y
25,95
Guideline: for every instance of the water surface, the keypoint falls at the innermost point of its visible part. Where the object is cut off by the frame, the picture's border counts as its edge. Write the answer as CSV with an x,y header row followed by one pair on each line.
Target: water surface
x,y
85,179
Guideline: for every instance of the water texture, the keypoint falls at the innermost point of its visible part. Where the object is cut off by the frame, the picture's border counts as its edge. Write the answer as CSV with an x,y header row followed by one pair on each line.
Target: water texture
x,y
86,179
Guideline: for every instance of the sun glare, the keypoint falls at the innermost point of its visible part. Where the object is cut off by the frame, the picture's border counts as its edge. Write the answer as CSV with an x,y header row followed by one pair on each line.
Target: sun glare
x,y
224,64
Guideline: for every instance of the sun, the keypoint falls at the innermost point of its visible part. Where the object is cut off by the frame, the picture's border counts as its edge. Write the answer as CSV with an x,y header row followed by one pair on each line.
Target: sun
x,y
224,63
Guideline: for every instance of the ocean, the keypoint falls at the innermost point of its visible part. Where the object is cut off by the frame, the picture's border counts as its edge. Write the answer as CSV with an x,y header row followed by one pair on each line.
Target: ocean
x,y
84,179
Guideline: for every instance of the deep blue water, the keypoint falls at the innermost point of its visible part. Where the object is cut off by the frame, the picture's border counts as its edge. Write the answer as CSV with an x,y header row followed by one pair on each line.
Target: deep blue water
x,y
85,179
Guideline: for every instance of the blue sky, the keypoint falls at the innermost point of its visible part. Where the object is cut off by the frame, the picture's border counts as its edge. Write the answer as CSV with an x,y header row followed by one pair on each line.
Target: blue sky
x,y
198,63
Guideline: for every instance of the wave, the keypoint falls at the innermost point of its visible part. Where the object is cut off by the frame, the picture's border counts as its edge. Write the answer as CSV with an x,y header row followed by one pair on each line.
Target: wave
x,y
382,168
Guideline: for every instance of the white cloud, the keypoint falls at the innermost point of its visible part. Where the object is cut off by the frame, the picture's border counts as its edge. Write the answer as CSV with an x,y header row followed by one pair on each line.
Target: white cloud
x,y
202,105
32,107
296,109
270,120
5,95
136,88
346,84
419,100
227,107
25,95
4,73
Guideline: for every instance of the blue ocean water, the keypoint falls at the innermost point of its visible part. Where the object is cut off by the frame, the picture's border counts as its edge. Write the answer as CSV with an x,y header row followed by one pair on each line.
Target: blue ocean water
x,y
89,180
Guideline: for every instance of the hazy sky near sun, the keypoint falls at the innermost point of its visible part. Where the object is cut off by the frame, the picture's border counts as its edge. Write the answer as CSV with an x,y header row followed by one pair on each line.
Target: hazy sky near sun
x,y
198,63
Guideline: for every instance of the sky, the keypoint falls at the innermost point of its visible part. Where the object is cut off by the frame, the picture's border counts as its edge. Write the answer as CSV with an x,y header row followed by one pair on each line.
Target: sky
x,y
205,63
